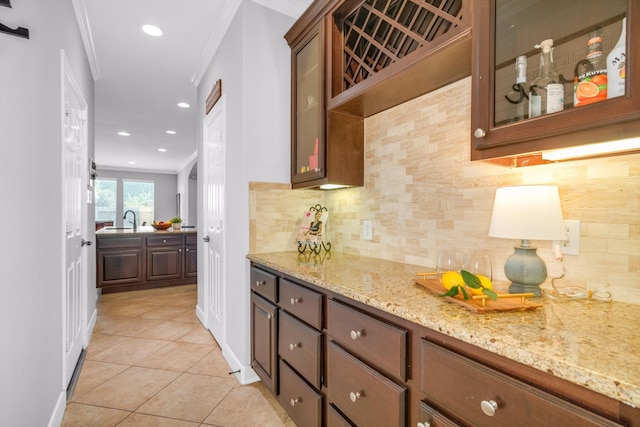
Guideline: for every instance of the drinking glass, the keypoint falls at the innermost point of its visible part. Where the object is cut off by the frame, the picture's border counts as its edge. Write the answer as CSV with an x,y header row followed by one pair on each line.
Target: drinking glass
x,y
478,264
449,261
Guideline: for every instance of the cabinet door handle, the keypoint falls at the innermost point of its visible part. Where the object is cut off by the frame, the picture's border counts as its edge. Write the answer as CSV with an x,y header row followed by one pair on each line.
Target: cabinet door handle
x,y
295,401
354,396
269,316
479,133
355,335
187,249
293,346
260,283
294,301
489,407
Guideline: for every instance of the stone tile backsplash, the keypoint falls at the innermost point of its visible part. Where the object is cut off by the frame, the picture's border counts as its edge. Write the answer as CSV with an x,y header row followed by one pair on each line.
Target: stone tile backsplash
x,y
423,194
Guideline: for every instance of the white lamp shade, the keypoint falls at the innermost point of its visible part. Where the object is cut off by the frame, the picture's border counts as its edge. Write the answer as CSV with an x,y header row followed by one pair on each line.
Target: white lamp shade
x,y
527,212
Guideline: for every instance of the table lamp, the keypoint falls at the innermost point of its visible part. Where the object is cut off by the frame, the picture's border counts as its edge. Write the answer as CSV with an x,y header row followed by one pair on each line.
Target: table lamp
x,y
527,212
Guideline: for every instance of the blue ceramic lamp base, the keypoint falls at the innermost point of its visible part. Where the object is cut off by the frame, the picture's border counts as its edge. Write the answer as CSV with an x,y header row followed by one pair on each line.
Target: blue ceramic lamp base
x,y
526,270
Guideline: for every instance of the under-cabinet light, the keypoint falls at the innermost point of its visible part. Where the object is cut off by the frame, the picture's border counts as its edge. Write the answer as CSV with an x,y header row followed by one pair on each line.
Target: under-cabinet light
x,y
333,186
610,147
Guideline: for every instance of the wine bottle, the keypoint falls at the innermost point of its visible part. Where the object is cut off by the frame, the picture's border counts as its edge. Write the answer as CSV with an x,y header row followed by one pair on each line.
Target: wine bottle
x,y
616,72
590,80
518,94
546,93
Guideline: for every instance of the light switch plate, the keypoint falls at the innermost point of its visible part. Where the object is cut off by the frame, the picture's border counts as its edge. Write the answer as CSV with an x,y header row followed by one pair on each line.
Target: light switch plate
x,y
571,246
367,230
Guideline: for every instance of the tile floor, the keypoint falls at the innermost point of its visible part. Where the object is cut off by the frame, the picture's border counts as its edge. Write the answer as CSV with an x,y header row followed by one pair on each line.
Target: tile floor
x,y
150,362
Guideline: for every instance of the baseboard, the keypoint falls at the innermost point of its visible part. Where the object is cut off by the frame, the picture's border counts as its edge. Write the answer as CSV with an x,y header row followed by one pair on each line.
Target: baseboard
x,y
58,411
244,374
90,326
201,317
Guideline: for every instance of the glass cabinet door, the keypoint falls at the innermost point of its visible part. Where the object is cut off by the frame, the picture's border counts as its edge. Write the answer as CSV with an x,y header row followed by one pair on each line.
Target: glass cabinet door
x,y
308,145
549,69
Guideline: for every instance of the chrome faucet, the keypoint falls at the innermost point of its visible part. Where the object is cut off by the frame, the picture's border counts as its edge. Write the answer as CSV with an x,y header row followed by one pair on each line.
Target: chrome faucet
x,y
135,226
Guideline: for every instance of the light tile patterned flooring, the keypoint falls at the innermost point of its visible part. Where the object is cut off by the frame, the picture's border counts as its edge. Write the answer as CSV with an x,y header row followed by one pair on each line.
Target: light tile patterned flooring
x,y
150,362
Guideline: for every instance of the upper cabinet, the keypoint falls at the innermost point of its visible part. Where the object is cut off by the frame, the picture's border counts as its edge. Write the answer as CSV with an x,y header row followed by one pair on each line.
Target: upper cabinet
x,y
354,58
540,78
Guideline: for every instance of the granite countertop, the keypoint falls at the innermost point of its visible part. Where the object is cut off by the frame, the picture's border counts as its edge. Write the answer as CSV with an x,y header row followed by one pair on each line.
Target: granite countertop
x,y
591,343
142,230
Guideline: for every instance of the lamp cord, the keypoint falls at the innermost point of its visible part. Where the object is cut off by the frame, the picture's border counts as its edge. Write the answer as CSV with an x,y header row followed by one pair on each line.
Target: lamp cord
x,y
575,292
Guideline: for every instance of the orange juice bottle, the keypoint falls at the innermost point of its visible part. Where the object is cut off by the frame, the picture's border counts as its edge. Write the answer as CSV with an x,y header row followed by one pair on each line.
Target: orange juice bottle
x,y
590,81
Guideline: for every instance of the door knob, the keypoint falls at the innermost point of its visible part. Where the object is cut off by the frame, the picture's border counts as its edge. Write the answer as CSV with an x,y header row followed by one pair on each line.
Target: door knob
x,y
205,239
85,242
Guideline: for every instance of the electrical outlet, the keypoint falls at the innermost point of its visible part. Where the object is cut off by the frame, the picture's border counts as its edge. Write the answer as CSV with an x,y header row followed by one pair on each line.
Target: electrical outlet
x,y
571,246
367,230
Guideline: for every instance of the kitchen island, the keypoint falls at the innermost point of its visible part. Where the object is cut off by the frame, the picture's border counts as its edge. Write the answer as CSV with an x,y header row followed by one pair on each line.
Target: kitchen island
x,y
583,345
144,259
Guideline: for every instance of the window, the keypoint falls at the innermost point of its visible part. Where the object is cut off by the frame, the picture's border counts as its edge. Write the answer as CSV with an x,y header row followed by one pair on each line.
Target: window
x,y
138,196
106,196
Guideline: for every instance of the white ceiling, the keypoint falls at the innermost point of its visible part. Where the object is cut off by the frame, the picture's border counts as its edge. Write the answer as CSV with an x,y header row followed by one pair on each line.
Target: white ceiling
x,y
139,79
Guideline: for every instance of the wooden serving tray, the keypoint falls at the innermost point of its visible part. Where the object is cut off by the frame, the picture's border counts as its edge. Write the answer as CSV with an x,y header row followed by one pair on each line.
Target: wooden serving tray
x,y
505,302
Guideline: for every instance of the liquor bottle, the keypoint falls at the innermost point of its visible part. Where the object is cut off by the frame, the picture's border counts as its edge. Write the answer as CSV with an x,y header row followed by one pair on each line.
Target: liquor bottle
x,y
590,81
518,94
616,72
546,93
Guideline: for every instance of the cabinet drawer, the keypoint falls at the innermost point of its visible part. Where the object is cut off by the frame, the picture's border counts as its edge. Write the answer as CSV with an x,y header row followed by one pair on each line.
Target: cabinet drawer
x,y
361,393
191,239
164,241
303,303
120,243
264,284
301,347
302,403
430,417
365,336
335,419
463,387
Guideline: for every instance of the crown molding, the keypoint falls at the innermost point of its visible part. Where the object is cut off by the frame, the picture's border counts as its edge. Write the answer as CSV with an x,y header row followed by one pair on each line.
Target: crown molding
x,y
220,27
82,17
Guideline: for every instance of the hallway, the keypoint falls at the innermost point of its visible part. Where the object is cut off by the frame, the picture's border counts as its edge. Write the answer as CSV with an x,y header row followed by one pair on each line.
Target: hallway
x,y
150,362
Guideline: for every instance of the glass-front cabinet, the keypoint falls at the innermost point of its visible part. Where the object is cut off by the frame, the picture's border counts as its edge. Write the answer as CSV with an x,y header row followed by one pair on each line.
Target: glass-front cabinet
x,y
553,73
308,122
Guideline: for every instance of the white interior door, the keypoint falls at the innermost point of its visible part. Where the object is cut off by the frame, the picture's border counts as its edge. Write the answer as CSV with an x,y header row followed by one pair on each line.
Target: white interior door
x,y
74,168
214,188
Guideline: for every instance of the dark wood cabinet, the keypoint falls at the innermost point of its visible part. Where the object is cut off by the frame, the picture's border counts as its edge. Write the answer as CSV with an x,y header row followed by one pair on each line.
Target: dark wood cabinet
x,y
120,261
506,29
264,350
378,369
326,148
145,261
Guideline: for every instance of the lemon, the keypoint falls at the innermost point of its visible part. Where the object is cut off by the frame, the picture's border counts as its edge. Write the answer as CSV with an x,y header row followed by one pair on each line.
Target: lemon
x,y
485,282
451,279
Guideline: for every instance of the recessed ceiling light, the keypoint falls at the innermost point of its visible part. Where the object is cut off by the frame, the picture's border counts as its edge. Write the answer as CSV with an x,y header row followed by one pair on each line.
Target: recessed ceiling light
x,y
171,132
132,162
123,133
152,30
162,150
183,105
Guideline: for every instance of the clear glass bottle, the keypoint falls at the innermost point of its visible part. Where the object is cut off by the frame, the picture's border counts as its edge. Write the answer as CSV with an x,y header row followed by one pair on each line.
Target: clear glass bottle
x,y
546,93
590,79
518,94
616,71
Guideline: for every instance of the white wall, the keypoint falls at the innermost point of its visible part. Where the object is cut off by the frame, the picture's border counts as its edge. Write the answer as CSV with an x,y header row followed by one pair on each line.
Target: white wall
x,y
165,189
188,194
253,61
31,386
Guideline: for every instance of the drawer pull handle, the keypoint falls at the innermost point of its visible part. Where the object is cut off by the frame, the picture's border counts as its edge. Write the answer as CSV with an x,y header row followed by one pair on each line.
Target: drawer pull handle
x,y
489,407
293,346
355,335
269,316
294,301
296,401
424,424
260,283
354,396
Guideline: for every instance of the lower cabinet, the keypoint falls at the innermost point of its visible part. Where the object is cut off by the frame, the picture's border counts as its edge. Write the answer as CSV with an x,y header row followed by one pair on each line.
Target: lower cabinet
x,y
332,362
144,261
